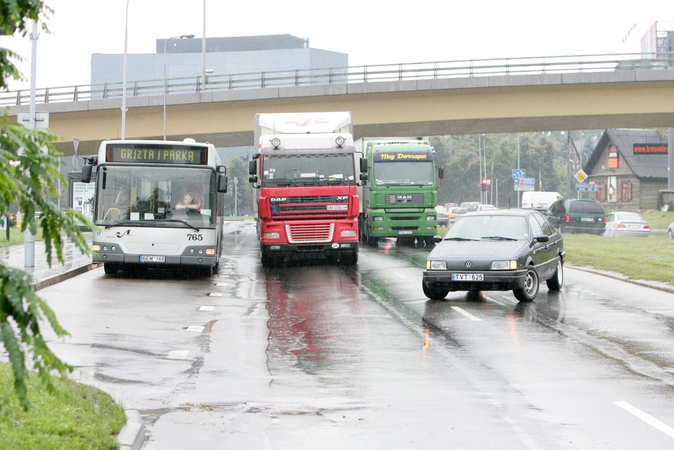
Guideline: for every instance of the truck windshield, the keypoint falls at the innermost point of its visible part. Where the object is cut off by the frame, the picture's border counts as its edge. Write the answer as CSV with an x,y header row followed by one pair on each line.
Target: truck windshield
x,y
404,173
307,170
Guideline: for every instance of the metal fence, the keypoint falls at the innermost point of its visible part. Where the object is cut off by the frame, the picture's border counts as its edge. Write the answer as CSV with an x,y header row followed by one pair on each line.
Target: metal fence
x,y
347,75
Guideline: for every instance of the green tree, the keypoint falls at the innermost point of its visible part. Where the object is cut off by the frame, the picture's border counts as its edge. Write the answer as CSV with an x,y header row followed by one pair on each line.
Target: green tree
x,y
29,177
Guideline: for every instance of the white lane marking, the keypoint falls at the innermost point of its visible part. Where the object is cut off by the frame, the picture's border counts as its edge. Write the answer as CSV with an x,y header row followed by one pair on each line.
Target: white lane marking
x,y
206,308
652,421
238,247
195,328
178,354
221,284
466,313
215,294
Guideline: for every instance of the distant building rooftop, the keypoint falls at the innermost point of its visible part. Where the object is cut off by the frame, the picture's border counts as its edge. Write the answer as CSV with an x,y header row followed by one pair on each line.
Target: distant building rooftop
x,y
234,44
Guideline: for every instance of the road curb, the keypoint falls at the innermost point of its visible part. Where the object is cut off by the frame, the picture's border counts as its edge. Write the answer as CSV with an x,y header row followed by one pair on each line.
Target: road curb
x,y
661,286
132,434
37,285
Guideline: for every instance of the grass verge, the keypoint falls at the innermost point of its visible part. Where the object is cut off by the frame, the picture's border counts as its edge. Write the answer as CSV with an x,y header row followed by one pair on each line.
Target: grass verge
x,y
75,416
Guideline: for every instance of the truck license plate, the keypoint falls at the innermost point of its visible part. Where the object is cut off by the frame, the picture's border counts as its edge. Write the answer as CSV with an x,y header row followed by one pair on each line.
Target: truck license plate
x,y
467,277
405,232
152,259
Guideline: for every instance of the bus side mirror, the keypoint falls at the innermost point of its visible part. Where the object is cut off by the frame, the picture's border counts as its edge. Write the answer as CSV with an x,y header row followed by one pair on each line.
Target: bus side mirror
x,y
222,183
86,173
252,167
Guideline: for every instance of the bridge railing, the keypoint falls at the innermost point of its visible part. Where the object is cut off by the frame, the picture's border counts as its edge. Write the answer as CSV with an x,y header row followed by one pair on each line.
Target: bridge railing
x,y
347,75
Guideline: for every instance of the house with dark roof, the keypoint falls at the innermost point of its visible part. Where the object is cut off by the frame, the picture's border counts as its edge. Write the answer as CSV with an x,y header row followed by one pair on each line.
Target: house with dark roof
x,y
629,167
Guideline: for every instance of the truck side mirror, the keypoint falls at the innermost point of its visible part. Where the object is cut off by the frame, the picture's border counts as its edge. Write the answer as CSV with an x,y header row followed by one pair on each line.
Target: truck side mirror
x,y
252,168
441,173
363,165
364,177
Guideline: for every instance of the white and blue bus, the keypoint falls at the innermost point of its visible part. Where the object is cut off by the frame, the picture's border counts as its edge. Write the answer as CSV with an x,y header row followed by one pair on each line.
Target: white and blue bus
x,y
138,206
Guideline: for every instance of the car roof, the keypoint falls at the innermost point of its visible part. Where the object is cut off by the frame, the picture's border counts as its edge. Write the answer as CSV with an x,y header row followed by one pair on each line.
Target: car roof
x,y
503,212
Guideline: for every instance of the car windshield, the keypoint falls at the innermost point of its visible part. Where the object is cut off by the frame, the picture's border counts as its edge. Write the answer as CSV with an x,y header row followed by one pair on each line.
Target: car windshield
x,y
490,227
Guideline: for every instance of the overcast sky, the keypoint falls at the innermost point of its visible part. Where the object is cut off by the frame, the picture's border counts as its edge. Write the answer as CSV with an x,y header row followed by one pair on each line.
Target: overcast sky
x,y
369,31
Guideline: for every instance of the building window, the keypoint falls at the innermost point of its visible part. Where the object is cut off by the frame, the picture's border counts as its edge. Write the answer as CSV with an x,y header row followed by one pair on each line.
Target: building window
x,y
601,191
626,190
612,192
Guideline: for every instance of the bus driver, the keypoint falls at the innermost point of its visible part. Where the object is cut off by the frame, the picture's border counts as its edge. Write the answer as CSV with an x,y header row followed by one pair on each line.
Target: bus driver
x,y
187,204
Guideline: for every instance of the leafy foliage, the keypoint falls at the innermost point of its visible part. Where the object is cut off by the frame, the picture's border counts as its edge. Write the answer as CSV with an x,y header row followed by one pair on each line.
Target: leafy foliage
x,y
29,177
14,15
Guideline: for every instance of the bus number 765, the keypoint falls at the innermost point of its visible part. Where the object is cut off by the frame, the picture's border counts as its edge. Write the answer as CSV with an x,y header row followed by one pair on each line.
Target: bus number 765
x,y
195,237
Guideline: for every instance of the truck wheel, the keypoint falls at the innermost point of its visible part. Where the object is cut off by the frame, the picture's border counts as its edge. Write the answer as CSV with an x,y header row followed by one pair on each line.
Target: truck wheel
x,y
110,268
268,261
350,259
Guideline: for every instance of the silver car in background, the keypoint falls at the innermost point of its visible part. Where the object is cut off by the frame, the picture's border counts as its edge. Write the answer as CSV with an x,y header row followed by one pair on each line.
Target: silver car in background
x,y
626,223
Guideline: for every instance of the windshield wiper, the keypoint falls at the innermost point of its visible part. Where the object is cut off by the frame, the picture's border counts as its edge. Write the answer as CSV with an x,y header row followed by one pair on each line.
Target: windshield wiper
x,y
458,239
499,238
147,223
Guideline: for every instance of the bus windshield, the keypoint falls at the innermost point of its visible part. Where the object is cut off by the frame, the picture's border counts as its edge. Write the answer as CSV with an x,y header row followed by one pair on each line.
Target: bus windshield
x,y
308,170
155,196
403,173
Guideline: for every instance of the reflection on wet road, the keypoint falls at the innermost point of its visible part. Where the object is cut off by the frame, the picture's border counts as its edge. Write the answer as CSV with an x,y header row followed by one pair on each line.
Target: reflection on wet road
x,y
306,356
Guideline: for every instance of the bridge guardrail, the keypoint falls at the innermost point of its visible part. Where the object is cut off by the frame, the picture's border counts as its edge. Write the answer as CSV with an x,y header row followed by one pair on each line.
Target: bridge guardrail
x,y
347,75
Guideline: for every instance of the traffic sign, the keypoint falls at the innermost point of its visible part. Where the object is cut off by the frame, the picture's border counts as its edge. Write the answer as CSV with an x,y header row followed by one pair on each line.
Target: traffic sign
x,y
587,187
581,176
519,173
525,184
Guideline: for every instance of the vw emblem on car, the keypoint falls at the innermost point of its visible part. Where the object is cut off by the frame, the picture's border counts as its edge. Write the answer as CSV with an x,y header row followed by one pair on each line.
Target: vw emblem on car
x,y
468,264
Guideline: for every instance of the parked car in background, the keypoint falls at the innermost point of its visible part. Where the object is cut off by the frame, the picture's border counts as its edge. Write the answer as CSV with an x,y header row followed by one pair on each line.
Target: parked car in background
x,y
443,216
625,223
496,250
539,200
578,216
484,207
455,213
470,206
670,230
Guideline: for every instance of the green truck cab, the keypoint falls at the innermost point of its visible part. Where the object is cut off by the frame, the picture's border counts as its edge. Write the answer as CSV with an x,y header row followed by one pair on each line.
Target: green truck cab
x,y
400,197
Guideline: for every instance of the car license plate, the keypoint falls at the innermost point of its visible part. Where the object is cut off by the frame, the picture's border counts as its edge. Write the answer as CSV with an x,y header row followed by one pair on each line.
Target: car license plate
x,y
405,232
152,259
587,219
635,227
467,277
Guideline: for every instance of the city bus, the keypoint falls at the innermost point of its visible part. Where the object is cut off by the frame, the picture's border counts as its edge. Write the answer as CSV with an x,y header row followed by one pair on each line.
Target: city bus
x,y
141,221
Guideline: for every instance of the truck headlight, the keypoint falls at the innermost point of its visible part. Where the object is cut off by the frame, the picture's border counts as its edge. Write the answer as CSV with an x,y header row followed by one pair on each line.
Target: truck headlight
x,y
504,265
430,217
272,235
436,265
378,219
348,232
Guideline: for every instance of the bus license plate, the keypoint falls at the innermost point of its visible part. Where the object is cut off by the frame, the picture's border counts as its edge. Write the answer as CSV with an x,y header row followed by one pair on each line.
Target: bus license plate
x,y
152,259
467,277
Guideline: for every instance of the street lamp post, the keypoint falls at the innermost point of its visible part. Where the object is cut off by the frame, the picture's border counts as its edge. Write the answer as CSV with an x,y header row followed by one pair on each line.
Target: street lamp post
x,y
182,36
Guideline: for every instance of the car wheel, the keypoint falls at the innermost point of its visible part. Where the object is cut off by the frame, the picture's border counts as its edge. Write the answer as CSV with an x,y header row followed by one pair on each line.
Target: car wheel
x,y
434,292
555,283
670,233
608,233
530,290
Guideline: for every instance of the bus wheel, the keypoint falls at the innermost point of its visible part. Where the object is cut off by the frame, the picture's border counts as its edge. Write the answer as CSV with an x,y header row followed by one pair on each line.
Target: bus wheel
x,y
110,268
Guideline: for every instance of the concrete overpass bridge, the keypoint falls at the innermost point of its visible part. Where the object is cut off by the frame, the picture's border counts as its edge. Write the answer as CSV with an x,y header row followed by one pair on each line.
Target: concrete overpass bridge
x,y
421,99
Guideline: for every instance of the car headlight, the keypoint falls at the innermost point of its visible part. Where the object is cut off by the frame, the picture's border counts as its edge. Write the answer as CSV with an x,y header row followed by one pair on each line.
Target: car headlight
x,y
436,265
377,219
504,265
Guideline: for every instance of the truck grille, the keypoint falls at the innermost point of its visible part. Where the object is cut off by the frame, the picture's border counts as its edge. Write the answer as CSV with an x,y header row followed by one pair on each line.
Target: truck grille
x,y
404,199
406,218
312,206
298,234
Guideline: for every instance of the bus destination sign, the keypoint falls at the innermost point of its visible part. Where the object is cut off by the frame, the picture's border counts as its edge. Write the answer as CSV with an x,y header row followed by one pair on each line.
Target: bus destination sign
x,y
158,154
403,156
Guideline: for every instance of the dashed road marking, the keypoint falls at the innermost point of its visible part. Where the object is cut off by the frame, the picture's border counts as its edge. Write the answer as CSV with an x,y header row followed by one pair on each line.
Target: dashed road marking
x,y
652,421
466,313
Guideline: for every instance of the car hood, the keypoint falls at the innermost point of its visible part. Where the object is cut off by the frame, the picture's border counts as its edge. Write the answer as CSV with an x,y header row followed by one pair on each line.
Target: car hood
x,y
482,250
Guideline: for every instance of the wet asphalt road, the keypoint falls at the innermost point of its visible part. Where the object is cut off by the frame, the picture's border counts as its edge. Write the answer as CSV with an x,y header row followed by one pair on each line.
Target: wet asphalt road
x,y
309,356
